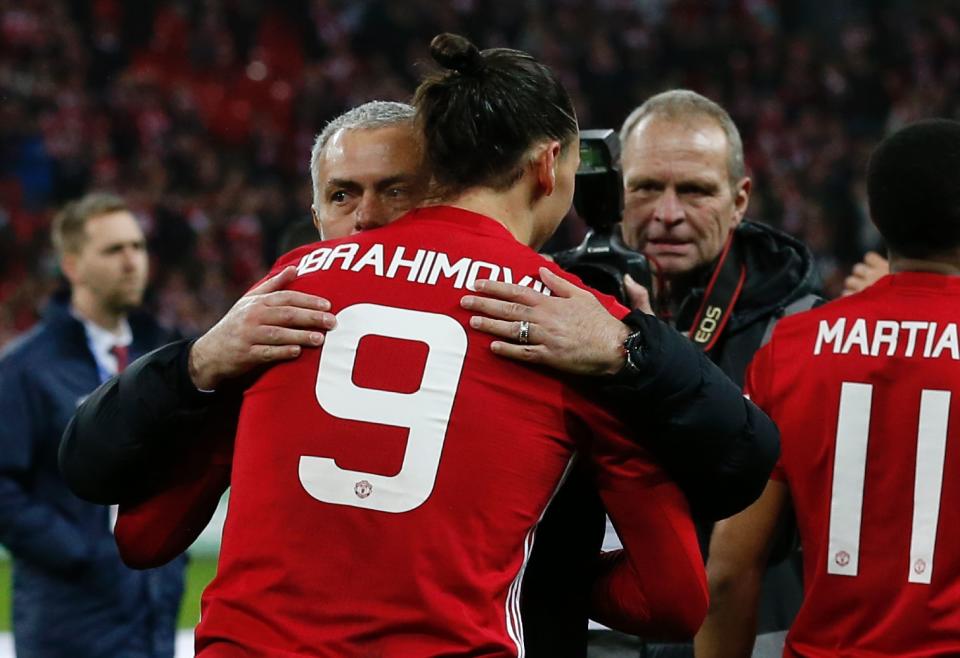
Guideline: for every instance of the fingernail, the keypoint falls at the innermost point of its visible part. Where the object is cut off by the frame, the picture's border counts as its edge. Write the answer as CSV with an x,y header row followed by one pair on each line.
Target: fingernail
x,y
296,350
629,278
466,302
316,339
323,304
475,322
480,285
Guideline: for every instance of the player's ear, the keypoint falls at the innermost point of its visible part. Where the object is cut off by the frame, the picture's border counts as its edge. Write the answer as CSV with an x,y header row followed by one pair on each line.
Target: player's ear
x,y
545,163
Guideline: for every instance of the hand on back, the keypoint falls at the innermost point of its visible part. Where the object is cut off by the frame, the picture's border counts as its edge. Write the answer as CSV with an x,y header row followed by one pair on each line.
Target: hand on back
x,y
266,325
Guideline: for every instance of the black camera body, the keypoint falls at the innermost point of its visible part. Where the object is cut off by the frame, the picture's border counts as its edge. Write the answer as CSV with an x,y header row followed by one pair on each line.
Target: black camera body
x,y
602,259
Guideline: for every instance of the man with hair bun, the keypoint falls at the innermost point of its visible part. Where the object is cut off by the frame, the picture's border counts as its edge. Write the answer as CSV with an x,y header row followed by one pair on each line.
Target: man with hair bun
x,y
864,392
555,597
427,503
72,596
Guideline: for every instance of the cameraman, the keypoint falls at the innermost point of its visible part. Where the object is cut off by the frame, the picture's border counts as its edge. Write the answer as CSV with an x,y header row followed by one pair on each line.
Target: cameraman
x,y
722,280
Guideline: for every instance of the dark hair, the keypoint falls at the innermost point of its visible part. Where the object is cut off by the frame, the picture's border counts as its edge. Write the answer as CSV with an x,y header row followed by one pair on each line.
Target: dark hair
x,y
913,184
483,112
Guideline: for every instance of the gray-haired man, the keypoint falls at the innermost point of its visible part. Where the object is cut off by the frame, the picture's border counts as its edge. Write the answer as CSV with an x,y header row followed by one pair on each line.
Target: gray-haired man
x,y
366,170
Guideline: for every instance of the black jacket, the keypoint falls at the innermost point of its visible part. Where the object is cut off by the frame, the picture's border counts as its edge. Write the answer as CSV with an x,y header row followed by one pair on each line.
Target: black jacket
x,y
713,469
780,272
781,279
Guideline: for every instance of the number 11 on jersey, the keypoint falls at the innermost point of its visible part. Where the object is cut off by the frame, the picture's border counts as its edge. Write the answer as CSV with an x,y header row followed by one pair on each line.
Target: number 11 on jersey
x,y
849,467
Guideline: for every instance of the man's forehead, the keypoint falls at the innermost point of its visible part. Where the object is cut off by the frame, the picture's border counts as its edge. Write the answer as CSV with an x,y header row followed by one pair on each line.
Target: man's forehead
x,y
696,134
113,226
697,142
365,153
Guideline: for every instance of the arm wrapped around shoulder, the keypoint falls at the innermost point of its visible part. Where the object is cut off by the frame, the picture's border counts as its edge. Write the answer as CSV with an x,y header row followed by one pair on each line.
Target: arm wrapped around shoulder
x,y
717,445
152,532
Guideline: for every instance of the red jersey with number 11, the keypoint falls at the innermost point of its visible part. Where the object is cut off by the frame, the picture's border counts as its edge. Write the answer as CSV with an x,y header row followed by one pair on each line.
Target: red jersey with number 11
x,y
866,392
387,486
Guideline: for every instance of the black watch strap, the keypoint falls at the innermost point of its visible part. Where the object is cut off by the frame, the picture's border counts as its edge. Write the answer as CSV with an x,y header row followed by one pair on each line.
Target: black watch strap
x,y
634,348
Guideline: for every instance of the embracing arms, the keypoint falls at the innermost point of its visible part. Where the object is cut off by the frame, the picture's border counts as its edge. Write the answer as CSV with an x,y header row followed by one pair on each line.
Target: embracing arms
x,y
717,445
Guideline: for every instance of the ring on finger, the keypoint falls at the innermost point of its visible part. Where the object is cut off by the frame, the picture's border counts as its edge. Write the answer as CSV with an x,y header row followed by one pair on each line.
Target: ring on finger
x,y
523,336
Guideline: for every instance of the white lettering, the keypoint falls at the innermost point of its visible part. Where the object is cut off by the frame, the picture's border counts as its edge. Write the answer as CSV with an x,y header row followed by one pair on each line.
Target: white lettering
x,y
912,327
882,338
442,267
344,252
948,341
858,337
425,268
475,273
928,344
828,334
312,261
374,258
399,261
886,332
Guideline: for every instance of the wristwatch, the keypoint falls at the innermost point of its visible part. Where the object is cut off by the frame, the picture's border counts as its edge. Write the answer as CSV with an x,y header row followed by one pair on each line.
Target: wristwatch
x,y
634,348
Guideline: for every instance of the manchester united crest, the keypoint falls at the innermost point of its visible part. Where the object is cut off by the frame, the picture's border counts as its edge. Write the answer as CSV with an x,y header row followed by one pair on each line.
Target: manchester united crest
x,y
362,489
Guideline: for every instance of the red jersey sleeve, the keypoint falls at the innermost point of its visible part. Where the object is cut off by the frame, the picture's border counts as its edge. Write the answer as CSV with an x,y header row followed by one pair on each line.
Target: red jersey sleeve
x,y
657,585
154,531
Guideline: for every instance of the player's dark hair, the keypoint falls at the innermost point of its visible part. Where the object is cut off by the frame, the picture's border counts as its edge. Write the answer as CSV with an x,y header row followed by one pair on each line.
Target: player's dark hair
x,y
483,112
913,184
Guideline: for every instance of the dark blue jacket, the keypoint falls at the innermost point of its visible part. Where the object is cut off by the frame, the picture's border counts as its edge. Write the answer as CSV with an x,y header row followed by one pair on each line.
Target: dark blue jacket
x,y
72,596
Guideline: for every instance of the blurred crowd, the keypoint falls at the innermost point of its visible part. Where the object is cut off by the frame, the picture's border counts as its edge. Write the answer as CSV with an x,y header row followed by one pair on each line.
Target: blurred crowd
x,y
202,114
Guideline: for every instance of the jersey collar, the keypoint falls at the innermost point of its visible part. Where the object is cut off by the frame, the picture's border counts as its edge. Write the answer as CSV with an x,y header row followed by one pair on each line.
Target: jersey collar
x,y
470,220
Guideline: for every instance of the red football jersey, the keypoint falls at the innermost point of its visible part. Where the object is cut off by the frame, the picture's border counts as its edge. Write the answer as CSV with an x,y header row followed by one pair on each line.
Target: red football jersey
x,y
862,390
386,488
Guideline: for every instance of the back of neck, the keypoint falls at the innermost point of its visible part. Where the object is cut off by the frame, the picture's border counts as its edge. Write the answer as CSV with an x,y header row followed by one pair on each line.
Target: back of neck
x,y
506,208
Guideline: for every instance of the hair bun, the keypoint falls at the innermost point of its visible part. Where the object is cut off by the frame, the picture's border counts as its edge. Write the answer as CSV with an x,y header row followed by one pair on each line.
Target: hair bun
x,y
456,53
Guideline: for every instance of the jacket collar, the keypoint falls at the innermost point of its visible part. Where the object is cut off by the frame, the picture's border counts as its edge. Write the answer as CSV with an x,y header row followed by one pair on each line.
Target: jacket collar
x,y
780,270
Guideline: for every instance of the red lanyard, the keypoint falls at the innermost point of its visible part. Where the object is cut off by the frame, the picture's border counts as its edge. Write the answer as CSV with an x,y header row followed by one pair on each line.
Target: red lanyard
x,y
719,298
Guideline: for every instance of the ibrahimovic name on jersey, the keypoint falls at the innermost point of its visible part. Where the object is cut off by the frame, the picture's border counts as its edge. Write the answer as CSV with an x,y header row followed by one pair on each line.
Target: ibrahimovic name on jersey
x,y
424,266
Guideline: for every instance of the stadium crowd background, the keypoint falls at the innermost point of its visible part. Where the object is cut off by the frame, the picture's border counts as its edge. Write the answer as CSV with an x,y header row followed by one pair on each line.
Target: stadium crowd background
x,y
202,114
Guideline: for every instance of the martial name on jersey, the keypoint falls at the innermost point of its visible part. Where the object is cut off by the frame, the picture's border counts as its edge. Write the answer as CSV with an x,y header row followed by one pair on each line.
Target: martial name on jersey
x,y
871,337
423,266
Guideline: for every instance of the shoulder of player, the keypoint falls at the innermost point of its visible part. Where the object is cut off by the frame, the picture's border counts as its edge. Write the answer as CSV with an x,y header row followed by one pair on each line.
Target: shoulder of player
x,y
293,256
797,324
